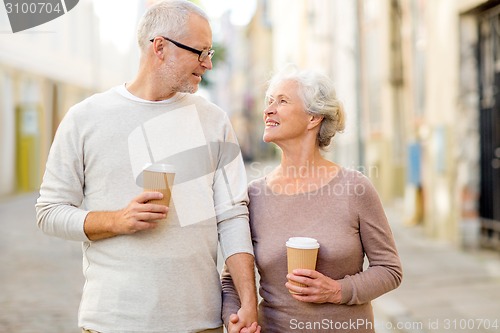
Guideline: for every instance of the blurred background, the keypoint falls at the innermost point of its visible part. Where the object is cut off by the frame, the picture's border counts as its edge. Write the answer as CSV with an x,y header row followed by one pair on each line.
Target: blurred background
x,y
419,79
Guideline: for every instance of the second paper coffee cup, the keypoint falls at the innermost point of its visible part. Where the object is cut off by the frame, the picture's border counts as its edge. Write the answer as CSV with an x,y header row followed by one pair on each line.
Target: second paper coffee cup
x,y
302,252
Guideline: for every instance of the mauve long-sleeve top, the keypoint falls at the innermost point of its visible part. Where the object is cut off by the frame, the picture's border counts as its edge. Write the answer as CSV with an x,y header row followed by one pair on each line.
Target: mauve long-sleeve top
x,y
348,220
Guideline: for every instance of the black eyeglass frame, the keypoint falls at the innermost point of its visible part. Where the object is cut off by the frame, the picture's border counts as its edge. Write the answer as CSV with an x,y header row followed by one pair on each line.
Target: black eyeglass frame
x,y
202,54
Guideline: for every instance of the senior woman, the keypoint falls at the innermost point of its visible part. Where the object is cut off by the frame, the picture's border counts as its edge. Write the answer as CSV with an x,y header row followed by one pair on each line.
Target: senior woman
x,y
308,195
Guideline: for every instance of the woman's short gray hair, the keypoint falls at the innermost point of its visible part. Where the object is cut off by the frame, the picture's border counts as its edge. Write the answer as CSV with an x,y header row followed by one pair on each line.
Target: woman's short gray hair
x,y
319,97
168,17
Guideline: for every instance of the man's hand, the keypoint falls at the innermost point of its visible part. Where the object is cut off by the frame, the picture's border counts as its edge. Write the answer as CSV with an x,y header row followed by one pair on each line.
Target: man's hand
x,y
137,216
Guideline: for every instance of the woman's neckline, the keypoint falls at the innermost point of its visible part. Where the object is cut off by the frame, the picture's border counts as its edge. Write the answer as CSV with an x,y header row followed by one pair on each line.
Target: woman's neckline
x,y
315,190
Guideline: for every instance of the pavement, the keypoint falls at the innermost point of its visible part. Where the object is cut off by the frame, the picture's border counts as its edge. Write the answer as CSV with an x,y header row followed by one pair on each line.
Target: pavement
x,y
40,276
444,289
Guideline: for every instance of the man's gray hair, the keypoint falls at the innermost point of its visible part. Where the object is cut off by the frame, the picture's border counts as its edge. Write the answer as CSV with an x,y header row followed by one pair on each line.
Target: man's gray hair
x,y
166,18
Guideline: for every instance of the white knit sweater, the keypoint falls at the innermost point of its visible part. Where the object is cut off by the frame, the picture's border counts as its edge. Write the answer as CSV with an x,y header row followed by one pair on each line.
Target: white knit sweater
x,y
166,279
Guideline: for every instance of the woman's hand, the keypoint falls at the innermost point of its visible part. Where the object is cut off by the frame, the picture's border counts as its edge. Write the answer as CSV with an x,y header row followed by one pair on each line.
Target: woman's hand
x,y
319,288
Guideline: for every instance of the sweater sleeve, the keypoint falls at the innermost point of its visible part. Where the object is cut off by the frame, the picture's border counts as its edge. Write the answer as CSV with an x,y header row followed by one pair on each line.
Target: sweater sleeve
x,y
61,191
384,272
231,198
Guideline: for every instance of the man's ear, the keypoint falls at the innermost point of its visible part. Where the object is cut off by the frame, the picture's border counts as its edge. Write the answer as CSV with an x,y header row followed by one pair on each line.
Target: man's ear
x,y
159,48
314,121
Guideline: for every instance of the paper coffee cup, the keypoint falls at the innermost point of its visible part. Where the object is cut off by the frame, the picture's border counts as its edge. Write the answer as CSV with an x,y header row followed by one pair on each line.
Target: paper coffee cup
x,y
159,178
302,252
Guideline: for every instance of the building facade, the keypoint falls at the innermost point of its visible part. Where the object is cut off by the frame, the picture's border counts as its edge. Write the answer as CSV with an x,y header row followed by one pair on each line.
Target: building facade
x,y
419,80
43,72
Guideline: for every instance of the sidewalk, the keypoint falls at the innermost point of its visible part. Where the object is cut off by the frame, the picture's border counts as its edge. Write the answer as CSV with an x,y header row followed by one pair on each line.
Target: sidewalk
x,y
444,289
41,277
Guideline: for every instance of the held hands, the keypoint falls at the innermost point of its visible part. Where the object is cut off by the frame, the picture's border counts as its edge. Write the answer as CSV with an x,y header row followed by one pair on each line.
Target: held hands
x,y
319,288
237,324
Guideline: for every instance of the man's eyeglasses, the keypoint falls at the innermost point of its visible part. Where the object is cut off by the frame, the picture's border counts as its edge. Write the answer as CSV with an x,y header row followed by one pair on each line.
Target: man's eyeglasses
x,y
202,55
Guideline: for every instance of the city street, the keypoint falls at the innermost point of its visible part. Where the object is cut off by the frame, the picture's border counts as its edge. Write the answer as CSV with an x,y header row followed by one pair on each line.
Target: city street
x,y
443,289
405,91
40,276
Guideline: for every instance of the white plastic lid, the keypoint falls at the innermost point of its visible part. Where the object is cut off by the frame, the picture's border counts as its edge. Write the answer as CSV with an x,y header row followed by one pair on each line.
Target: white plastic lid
x,y
302,243
160,167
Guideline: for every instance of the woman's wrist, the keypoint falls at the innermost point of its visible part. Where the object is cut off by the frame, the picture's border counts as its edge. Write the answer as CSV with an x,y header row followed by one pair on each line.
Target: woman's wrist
x,y
336,295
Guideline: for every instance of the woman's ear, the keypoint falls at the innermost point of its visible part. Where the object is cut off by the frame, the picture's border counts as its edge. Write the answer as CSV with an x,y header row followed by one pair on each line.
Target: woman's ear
x,y
314,121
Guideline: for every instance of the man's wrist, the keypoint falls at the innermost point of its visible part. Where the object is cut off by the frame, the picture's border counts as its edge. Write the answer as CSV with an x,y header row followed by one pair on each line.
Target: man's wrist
x,y
99,225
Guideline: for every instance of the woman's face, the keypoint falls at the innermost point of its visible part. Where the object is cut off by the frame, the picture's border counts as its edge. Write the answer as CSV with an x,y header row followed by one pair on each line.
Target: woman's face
x,y
285,118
